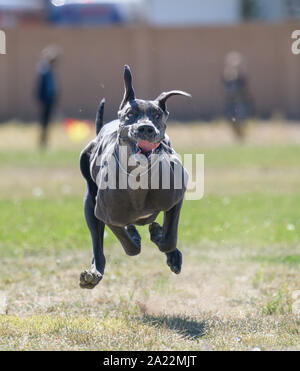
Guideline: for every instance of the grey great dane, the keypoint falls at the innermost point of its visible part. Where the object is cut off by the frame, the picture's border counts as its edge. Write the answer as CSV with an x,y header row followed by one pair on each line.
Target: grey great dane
x,y
141,130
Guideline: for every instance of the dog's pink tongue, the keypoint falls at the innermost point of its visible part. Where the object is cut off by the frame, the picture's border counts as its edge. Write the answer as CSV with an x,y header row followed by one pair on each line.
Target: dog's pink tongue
x,y
146,146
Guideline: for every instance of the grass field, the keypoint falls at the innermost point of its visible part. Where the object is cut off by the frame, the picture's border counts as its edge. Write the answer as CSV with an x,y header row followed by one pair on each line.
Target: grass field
x,y
240,243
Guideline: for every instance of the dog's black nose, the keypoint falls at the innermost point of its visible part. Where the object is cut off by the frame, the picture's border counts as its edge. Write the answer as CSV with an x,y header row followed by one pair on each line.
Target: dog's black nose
x,y
146,129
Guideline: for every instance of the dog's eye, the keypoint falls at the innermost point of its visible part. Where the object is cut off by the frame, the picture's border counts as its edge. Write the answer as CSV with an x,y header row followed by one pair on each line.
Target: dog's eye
x,y
157,116
129,115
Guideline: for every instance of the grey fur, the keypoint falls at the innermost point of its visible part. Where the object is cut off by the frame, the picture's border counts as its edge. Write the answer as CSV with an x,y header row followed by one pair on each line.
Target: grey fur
x,y
122,209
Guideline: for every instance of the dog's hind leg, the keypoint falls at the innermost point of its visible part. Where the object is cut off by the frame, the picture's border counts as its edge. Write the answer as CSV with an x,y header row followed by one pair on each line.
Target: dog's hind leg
x,y
90,278
129,238
165,237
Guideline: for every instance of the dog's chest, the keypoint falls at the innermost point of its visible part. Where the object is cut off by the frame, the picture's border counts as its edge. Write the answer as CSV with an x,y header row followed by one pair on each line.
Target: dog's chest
x,y
132,196
123,207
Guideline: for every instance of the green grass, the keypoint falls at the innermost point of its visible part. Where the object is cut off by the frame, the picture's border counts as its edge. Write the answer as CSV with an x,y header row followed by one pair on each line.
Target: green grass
x,y
223,156
252,155
34,159
280,304
240,247
242,220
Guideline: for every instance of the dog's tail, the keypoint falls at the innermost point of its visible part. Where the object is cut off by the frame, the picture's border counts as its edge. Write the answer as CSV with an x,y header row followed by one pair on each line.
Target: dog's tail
x,y
99,117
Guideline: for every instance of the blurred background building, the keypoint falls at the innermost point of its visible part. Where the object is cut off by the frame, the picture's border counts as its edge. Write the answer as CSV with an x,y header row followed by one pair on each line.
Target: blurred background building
x,y
170,44
154,12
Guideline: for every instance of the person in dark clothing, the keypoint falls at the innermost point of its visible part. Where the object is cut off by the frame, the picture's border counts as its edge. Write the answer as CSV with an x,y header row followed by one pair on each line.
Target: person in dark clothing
x,y
47,89
238,107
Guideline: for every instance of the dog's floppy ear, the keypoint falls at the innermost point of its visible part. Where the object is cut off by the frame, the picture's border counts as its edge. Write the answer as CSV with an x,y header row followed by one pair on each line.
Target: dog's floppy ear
x,y
162,98
129,92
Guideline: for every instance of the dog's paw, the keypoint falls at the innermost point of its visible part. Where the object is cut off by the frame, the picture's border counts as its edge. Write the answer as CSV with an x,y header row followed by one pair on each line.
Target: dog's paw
x,y
156,232
89,279
174,261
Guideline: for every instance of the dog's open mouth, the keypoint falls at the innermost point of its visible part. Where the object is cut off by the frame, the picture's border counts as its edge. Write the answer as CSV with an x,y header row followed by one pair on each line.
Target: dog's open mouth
x,y
147,148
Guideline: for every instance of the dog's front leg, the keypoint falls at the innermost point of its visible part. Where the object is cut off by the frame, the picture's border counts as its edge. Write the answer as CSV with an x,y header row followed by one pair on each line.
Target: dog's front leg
x,y
90,278
165,237
129,238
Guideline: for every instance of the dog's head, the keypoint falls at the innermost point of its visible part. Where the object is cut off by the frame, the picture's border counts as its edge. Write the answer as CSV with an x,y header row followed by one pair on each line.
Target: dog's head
x,y
143,122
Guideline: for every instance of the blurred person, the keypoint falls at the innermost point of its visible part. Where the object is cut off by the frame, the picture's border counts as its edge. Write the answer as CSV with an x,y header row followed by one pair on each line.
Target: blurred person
x,y
238,105
47,89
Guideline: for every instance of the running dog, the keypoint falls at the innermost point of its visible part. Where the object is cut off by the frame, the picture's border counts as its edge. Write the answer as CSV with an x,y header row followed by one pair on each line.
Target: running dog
x,y
138,133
